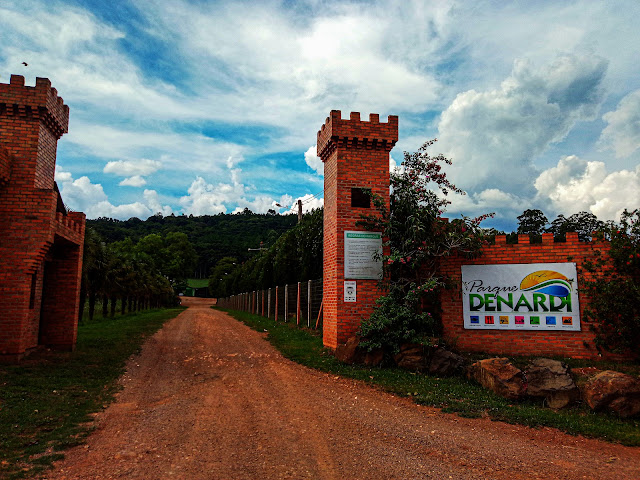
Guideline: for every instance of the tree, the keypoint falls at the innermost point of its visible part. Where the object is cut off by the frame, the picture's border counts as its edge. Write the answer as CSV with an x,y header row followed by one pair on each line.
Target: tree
x,y
417,237
584,223
613,287
532,222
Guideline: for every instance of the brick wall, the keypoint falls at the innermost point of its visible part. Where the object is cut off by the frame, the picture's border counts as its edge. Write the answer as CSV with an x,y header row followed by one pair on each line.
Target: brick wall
x,y
355,155
35,238
520,342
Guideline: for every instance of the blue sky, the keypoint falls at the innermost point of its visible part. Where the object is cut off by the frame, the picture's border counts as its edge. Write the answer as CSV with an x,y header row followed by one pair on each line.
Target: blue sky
x,y
201,107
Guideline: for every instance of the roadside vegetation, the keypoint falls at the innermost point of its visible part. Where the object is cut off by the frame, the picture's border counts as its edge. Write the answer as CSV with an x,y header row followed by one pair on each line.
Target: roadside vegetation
x,y
47,402
452,394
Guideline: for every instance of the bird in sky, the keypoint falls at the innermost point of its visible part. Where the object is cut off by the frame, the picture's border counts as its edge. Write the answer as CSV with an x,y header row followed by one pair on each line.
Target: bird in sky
x,y
25,64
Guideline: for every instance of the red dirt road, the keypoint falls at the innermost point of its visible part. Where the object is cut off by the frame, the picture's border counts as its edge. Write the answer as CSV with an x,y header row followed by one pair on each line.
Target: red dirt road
x,y
208,398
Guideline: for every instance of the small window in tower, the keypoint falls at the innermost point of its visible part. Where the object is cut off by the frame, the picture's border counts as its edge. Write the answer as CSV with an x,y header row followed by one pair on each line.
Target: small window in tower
x,y
34,284
361,197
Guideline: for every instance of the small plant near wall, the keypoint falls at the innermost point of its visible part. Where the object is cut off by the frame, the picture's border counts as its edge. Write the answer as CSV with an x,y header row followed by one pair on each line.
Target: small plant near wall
x,y
416,236
613,287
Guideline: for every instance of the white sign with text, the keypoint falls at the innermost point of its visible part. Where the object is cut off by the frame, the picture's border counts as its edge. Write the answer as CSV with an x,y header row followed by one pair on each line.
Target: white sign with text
x,y
537,296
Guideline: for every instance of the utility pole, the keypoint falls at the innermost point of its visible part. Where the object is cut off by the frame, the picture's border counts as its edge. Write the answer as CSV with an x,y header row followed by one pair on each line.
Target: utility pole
x,y
299,210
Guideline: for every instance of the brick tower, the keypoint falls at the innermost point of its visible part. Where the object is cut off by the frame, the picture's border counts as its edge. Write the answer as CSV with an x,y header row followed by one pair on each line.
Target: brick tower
x,y
356,159
40,241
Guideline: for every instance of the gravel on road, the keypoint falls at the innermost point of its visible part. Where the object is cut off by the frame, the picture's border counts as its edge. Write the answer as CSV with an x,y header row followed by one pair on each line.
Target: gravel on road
x,y
209,398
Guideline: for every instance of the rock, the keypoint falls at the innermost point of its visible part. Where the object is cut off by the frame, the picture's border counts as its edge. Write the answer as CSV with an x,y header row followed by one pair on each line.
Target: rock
x,y
499,376
349,352
445,363
551,380
374,358
411,357
613,391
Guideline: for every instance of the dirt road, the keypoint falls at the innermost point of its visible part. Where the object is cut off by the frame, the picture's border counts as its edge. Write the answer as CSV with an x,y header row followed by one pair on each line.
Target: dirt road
x,y
208,398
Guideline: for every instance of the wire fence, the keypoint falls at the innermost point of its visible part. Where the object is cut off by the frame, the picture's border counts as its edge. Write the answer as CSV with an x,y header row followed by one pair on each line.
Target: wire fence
x,y
295,302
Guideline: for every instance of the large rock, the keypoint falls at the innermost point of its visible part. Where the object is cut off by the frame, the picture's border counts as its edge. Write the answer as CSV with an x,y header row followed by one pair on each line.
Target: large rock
x,y
613,391
551,380
349,352
374,358
445,363
412,356
499,376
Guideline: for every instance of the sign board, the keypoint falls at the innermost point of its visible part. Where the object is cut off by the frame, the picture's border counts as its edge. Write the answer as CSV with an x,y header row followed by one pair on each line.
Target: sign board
x,y
350,291
360,252
537,296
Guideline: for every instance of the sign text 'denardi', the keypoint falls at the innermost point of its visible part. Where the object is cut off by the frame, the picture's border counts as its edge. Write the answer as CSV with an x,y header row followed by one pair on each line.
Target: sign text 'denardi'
x,y
542,296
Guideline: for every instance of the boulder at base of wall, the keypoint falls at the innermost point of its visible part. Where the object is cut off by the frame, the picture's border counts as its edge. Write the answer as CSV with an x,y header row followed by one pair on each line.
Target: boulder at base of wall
x,y
374,358
412,356
349,352
613,391
551,380
445,363
499,376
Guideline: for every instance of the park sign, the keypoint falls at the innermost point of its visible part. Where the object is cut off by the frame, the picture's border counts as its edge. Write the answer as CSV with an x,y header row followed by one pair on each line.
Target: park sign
x,y
362,255
537,296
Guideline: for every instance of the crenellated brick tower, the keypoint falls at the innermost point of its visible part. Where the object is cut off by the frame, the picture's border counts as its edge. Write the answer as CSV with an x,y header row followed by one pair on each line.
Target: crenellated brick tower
x,y
356,157
40,241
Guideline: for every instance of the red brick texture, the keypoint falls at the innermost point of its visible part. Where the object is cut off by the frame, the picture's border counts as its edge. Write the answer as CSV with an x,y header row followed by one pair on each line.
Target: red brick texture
x,y
355,155
518,342
40,247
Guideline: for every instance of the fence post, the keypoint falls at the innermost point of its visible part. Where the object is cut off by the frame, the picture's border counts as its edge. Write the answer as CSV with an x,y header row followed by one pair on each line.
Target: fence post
x,y
276,303
269,303
262,291
298,306
286,301
309,303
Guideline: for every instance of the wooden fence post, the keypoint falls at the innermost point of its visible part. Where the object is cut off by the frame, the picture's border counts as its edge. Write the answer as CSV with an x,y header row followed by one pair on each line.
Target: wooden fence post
x,y
309,303
269,303
298,306
286,301
276,303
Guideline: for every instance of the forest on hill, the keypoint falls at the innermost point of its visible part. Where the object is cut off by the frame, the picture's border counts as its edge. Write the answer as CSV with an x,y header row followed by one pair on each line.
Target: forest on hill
x,y
213,236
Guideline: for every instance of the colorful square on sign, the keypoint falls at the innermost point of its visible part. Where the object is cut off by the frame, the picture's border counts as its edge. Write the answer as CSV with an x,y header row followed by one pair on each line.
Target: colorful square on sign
x,y
519,320
488,320
567,320
534,321
475,319
551,320
504,320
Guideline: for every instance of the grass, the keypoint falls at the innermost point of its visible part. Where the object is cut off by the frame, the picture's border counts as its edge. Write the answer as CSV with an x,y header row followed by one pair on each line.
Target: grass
x,y
198,282
453,394
46,402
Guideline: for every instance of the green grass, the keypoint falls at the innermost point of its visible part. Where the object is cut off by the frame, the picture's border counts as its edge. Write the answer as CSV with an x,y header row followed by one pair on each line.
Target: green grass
x,y
46,402
452,394
198,282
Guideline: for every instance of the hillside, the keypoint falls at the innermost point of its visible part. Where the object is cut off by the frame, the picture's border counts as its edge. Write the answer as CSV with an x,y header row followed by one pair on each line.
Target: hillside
x,y
212,236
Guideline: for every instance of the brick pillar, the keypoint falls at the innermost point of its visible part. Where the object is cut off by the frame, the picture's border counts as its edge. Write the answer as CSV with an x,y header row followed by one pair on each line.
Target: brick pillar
x,y
356,156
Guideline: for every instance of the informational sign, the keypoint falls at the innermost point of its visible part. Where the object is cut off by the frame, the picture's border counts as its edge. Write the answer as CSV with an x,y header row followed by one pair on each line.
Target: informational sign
x,y
538,296
350,291
362,255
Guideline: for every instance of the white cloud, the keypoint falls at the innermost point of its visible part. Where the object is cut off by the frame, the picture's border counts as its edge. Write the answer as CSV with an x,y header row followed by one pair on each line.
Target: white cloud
x,y
82,195
153,202
622,133
313,160
127,168
61,175
493,137
309,202
135,181
208,199
576,185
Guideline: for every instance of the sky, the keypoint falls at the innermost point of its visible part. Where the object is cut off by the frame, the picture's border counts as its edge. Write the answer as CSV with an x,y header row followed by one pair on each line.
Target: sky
x,y
205,107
